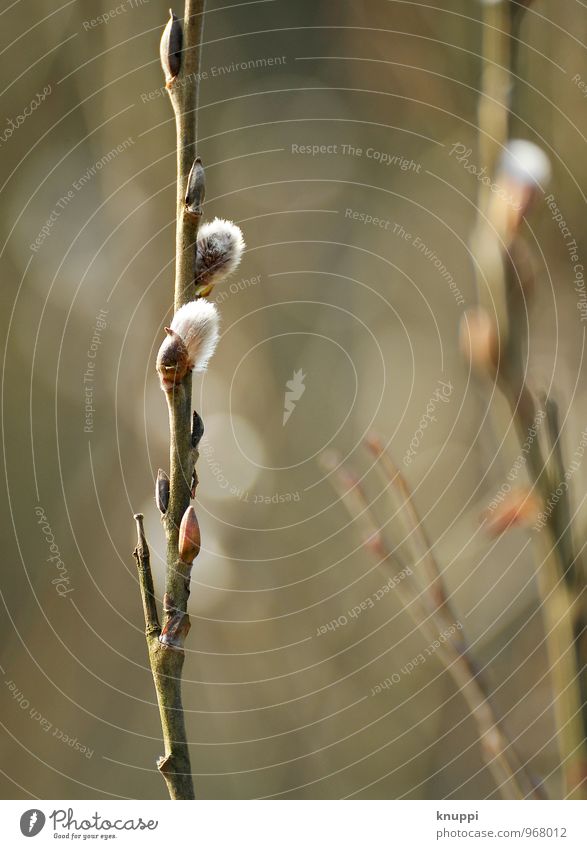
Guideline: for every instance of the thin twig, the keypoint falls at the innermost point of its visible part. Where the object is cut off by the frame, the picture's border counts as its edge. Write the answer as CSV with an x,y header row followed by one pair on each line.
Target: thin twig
x,y
166,667
143,558
413,525
429,612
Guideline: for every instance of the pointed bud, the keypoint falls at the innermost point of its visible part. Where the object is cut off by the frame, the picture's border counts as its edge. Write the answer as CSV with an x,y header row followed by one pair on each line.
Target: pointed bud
x,y
196,189
173,361
189,536
162,491
219,250
197,429
170,48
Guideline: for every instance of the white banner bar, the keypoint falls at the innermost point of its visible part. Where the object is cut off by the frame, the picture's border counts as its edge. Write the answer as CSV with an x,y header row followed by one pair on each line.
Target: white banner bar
x,y
296,824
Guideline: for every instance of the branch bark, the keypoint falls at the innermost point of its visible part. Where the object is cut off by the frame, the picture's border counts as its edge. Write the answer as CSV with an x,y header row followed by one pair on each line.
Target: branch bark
x,y
183,91
497,248
166,667
428,606
180,53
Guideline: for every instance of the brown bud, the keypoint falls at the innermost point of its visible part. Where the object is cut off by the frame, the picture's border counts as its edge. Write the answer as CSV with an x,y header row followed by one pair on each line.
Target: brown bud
x,y
176,627
197,429
170,48
173,361
162,491
196,188
374,544
479,340
189,536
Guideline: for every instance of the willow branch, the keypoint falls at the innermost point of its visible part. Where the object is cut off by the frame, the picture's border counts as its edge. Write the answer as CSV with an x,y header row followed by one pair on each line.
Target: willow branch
x,y
504,278
428,610
494,101
180,57
143,559
413,525
183,91
556,570
166,667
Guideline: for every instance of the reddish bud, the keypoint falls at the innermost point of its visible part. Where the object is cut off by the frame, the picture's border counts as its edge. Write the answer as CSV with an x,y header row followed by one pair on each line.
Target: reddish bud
x,y
189,536
172,360
519,509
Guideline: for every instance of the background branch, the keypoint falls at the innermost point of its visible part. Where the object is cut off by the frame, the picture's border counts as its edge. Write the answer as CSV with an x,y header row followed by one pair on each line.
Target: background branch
x,y
504,278
427,605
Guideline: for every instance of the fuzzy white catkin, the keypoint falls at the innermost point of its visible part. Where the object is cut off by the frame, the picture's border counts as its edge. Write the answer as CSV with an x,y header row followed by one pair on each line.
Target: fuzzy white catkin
x,y
219,251
197,324
525,162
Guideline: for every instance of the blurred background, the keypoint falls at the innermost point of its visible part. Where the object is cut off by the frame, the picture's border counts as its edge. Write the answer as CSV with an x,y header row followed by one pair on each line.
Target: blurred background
x,y
341,137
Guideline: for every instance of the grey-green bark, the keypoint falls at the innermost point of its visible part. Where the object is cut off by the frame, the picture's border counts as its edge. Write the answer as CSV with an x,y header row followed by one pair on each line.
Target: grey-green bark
x,y
165,641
